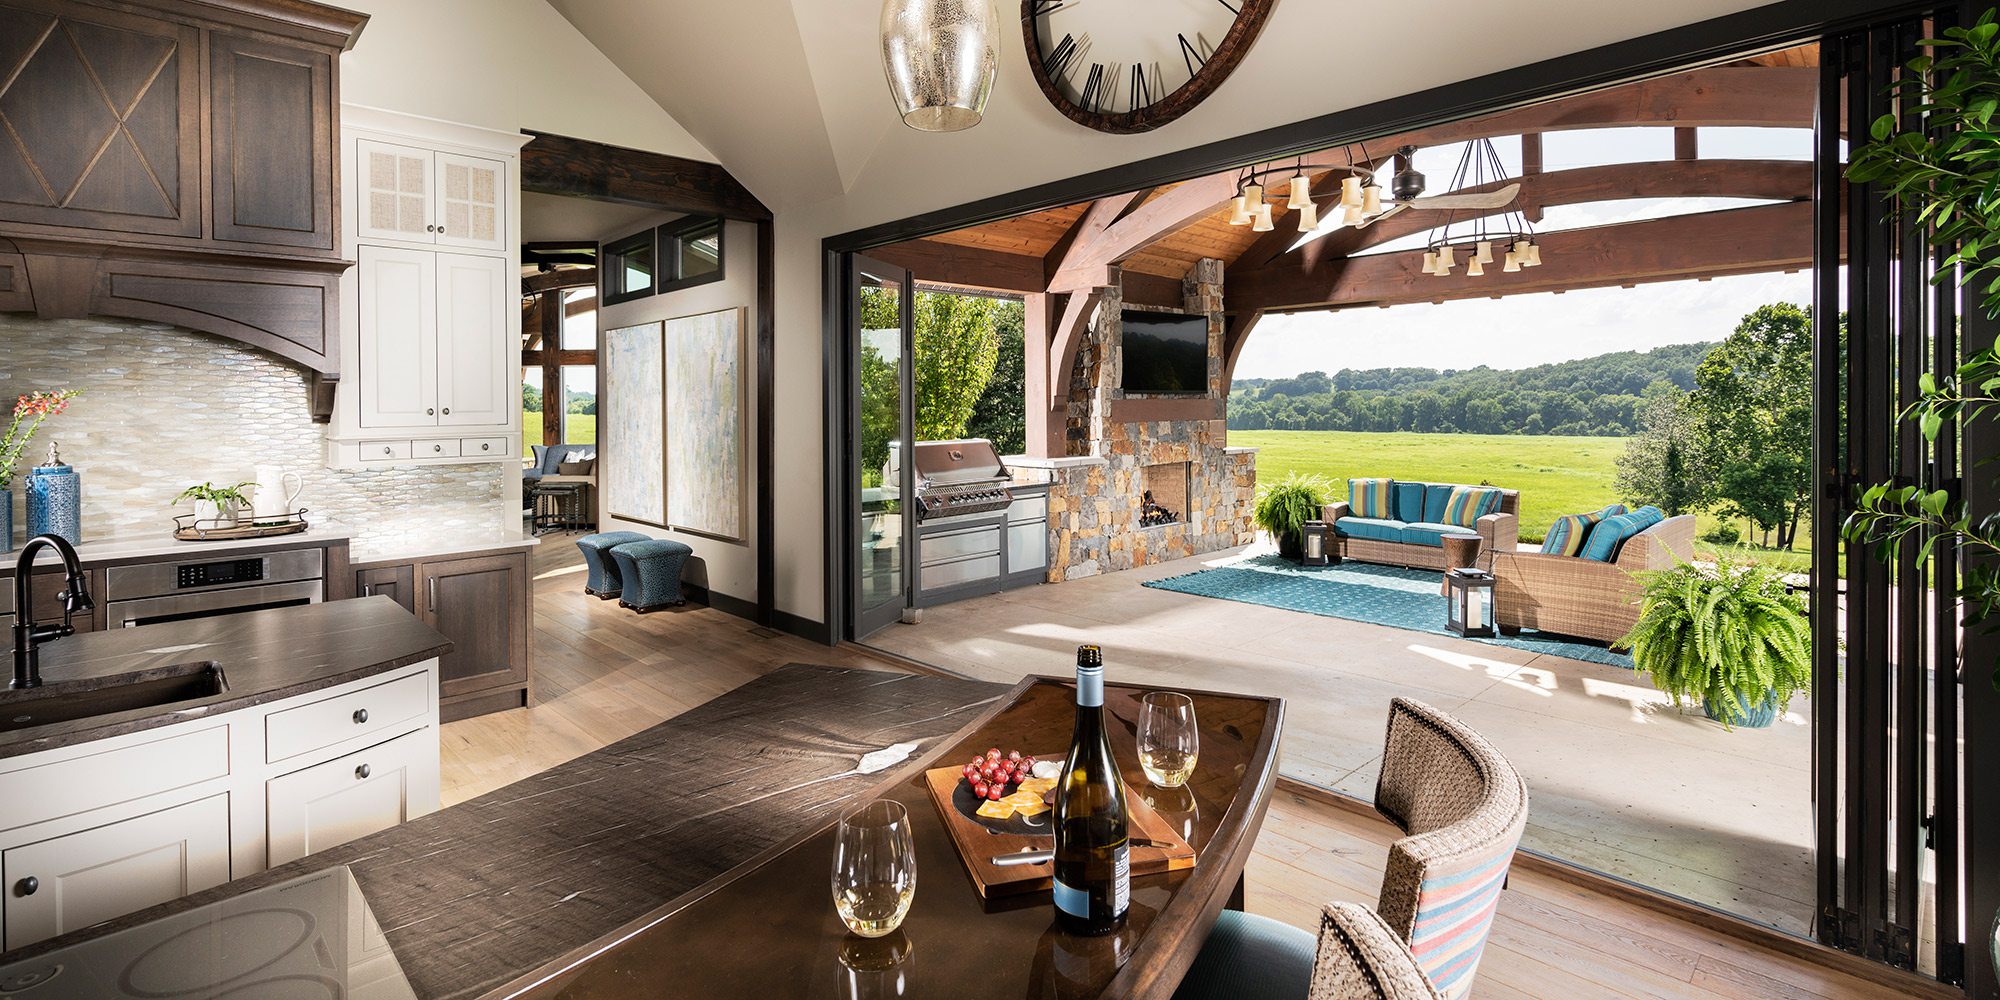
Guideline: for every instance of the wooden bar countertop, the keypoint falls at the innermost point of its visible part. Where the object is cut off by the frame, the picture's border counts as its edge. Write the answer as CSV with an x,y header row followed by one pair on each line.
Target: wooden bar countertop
x,y
481,893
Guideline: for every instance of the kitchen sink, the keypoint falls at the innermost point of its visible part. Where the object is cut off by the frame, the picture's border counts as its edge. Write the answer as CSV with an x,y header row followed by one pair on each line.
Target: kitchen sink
x,y
160,687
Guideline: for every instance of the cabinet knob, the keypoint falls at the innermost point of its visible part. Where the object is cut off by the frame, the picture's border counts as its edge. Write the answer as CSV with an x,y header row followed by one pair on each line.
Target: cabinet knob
x,y
430,411
388,451
430,229
486,447
361,772
437,447
27,886
360,716
447,411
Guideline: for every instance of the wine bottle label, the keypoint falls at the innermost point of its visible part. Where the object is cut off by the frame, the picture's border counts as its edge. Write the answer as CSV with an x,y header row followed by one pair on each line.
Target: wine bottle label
x,y
1090,687
1073,901
1121,882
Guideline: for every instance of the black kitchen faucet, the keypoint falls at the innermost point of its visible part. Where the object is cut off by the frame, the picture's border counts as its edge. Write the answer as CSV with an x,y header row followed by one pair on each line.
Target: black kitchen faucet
x,y
29,636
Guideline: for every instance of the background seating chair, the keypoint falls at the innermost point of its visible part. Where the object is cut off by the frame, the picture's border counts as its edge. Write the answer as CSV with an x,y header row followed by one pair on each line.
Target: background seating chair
x,y
1414,542
1464,807
650,573
604,582
1357,957
1585,598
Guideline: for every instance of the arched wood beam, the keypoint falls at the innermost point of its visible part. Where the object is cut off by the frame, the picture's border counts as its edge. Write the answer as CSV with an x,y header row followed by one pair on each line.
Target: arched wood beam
x,y
549,281
1704,245
1763,96
1069,330
1776,180
1236,332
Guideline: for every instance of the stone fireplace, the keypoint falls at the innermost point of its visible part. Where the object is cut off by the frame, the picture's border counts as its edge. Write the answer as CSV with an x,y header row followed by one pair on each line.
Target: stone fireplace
x,y
1121,447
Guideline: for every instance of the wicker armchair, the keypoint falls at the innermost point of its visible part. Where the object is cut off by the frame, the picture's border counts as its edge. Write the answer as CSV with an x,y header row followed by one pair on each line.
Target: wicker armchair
x,y
1583,597
1361,958
1356,957
1464,807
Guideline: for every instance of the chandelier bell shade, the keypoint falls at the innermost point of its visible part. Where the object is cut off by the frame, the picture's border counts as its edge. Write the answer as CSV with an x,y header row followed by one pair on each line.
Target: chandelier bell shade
x,y
940,57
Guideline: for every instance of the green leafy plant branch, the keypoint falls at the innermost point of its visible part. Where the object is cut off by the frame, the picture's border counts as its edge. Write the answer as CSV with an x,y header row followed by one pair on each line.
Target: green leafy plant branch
x,y
220,496
1730,636
1284,507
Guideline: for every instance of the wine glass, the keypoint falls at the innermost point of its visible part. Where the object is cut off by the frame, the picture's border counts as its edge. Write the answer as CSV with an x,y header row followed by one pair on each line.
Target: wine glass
x,y
1168,743
874,868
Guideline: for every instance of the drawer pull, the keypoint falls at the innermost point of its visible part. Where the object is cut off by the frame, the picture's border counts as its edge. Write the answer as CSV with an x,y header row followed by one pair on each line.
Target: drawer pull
x,y
439,447
361,772
27,886
388,451
360,716
488,446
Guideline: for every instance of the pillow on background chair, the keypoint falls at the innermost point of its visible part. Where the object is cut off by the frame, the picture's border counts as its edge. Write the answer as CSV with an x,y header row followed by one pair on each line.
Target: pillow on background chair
x,y
1371,497
1470,503
1611,533
1566,536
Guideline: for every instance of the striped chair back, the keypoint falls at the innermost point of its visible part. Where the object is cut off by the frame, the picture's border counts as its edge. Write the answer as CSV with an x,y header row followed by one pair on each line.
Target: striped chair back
x,y
1463,807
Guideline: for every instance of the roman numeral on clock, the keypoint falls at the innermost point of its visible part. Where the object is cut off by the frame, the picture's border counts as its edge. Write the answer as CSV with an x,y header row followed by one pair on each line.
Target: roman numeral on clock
x,y
1057,65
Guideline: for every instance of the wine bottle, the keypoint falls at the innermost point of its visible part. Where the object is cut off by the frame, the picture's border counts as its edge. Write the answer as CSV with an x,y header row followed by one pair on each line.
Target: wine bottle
x,y
1093,874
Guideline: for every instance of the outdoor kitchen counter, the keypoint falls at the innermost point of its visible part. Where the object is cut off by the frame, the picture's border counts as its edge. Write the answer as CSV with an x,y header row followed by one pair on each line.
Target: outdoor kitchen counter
x,y
481,893
265,656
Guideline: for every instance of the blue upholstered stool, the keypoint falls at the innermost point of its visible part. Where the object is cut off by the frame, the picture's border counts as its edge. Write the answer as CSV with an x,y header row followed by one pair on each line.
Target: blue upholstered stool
x,y
651,572
1251,958
604,580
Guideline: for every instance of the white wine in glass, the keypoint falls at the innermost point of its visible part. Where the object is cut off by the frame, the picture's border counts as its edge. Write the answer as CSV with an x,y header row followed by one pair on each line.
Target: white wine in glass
x,y
874,868
1168,743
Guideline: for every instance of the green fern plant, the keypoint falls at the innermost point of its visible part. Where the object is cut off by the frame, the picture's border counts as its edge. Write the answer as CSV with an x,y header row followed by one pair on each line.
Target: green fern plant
x,y
1284,507
1729,634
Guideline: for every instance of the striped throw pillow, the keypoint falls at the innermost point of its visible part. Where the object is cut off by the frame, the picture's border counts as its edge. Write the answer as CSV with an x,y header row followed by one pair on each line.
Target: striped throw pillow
x,y
1470,503
1566,536
1371,497
1454,912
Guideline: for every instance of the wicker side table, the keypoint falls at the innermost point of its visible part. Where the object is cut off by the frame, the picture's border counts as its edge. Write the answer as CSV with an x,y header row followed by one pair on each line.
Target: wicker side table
x,y
1460,552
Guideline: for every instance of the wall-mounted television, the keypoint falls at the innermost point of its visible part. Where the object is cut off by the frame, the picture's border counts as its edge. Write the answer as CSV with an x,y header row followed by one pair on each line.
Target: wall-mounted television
x,y
1165,353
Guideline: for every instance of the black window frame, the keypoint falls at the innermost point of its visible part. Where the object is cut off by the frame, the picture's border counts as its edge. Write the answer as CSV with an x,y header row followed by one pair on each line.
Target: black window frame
x,y
611,268
668,255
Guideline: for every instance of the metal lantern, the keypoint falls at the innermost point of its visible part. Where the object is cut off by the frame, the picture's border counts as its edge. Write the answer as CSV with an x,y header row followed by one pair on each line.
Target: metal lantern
x,y
940,56
1469,602
1316,544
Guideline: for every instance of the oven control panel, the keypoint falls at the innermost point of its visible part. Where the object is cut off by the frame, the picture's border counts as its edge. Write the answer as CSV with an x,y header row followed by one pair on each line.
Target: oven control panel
x,y
214,573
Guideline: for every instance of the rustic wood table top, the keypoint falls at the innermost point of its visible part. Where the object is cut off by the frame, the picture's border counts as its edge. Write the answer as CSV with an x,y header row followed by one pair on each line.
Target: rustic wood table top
x,y
768,927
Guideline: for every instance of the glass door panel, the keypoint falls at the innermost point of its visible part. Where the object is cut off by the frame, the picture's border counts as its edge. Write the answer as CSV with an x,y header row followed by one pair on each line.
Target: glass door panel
x,y
885,533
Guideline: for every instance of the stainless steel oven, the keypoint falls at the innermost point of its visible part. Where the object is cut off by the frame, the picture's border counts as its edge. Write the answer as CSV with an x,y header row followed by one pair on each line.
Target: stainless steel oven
x,y
170,592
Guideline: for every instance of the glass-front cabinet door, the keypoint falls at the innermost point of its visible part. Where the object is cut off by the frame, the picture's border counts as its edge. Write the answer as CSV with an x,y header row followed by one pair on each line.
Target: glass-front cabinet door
x,y
879,344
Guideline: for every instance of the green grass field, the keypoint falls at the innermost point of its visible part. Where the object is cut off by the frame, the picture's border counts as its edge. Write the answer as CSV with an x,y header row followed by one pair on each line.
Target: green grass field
x,y
1556,475
582,430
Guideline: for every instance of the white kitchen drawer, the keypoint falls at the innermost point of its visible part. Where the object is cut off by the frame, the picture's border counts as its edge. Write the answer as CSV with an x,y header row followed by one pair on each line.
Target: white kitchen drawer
x,y
366,712
353,796
93,781
383,451
434,449
114,869
484,447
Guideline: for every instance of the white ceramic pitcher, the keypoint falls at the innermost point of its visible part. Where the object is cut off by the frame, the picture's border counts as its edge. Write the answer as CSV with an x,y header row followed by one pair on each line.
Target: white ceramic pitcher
x,y
277,492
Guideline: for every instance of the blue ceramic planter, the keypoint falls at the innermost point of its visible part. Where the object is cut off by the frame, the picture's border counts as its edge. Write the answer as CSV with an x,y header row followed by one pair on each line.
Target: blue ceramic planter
x,y
7,519
1758,716
55,501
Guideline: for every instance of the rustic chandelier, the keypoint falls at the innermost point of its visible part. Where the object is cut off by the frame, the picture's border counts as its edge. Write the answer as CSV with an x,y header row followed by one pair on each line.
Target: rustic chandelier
x,y
1360,197
1479,166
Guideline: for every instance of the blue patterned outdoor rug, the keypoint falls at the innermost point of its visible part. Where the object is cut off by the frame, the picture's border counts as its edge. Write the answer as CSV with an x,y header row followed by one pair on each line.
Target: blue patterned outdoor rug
x,y
1362,592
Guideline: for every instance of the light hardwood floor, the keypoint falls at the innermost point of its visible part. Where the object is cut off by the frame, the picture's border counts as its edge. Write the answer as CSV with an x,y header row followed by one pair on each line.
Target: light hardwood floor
x,y
604,674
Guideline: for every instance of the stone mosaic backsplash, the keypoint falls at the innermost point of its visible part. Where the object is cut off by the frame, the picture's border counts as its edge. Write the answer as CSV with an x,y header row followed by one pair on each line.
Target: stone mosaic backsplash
x,y
164,407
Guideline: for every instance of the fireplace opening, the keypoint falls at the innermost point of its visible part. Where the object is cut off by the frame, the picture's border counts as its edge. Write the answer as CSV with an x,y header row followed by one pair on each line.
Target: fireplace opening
x,y
1163,496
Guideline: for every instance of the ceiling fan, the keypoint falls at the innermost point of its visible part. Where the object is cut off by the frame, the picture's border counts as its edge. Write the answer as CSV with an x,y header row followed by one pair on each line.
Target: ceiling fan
x,y
1407,188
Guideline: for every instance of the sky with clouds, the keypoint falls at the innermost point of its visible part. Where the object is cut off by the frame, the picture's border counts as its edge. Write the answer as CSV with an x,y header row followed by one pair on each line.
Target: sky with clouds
x,y
1527,330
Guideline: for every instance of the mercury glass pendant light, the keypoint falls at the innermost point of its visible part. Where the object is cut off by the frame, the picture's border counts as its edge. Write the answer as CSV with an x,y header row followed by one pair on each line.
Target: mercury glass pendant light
x,y
939,57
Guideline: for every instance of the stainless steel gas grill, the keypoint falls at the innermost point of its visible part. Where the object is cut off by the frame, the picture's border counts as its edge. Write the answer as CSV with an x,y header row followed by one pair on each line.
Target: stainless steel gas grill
x,y
960,477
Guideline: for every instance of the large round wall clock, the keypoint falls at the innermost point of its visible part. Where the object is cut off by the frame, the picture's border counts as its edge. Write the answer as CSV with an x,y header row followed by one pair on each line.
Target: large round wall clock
x,y
1126,66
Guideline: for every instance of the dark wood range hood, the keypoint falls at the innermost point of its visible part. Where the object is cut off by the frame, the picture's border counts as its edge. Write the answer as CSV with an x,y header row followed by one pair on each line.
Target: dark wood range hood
x,y
177,161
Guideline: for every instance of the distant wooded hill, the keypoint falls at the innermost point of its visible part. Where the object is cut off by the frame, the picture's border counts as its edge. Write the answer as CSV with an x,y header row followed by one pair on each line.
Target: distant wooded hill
x,y
1599,396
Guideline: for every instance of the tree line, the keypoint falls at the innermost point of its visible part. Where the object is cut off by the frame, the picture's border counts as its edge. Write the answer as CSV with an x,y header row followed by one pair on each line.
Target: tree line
x,y
1601,396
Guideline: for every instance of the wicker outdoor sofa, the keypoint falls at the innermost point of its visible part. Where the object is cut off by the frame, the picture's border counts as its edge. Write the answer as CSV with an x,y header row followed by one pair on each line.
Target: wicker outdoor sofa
x,y
1418,547
1583,597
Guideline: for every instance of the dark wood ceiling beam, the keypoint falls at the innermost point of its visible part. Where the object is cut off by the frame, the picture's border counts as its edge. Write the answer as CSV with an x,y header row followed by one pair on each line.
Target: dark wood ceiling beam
x,y
579,168
1100,237
934,262
549,281
1068,334
1705,245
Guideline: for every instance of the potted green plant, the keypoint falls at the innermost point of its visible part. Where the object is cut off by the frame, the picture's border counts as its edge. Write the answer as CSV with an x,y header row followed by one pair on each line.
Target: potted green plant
x,y
1284,507
216,506
29,412
1728,634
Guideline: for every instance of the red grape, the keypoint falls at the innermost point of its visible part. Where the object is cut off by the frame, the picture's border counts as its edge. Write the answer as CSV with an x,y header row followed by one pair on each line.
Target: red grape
x,y
995,793
1013,755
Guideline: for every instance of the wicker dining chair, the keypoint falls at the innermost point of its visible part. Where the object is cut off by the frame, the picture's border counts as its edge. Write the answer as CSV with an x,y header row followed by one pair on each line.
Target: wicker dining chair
x,y
1357,957
1463,807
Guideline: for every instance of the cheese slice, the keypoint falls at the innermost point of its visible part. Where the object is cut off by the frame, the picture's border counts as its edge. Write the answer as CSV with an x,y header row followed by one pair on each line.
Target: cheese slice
x,y
1035,809
996,809
1037,786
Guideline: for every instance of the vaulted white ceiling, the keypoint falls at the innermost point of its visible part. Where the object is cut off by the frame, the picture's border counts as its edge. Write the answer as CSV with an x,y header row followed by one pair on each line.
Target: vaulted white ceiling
x,y
789,94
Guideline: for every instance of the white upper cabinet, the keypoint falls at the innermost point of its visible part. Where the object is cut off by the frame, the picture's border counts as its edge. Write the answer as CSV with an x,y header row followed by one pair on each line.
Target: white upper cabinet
x,y
469,192
398,383
394,197
474,342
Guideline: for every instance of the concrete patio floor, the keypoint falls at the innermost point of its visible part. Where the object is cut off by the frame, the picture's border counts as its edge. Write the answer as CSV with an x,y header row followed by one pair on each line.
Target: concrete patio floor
x,y
1620,781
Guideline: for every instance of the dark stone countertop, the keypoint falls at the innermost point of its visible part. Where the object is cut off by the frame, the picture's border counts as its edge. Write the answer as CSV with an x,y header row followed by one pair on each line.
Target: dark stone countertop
x,y
265,656
476,895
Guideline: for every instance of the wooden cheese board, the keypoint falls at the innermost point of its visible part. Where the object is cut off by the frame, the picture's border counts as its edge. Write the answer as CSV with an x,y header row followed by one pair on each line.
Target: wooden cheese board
x,y
979,840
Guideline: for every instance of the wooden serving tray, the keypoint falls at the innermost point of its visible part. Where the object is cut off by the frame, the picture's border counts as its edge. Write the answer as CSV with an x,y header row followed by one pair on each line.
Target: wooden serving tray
x,y
979,843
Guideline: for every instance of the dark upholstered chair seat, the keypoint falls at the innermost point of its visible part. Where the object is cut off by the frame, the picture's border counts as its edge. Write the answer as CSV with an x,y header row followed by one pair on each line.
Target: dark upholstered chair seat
x,y
650,573
1248,957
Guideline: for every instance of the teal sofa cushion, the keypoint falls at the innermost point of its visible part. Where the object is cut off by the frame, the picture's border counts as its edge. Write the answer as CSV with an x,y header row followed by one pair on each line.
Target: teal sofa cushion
x,y
1436,496
1567,536
1426,533
1610,534
1409,501
1375,528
